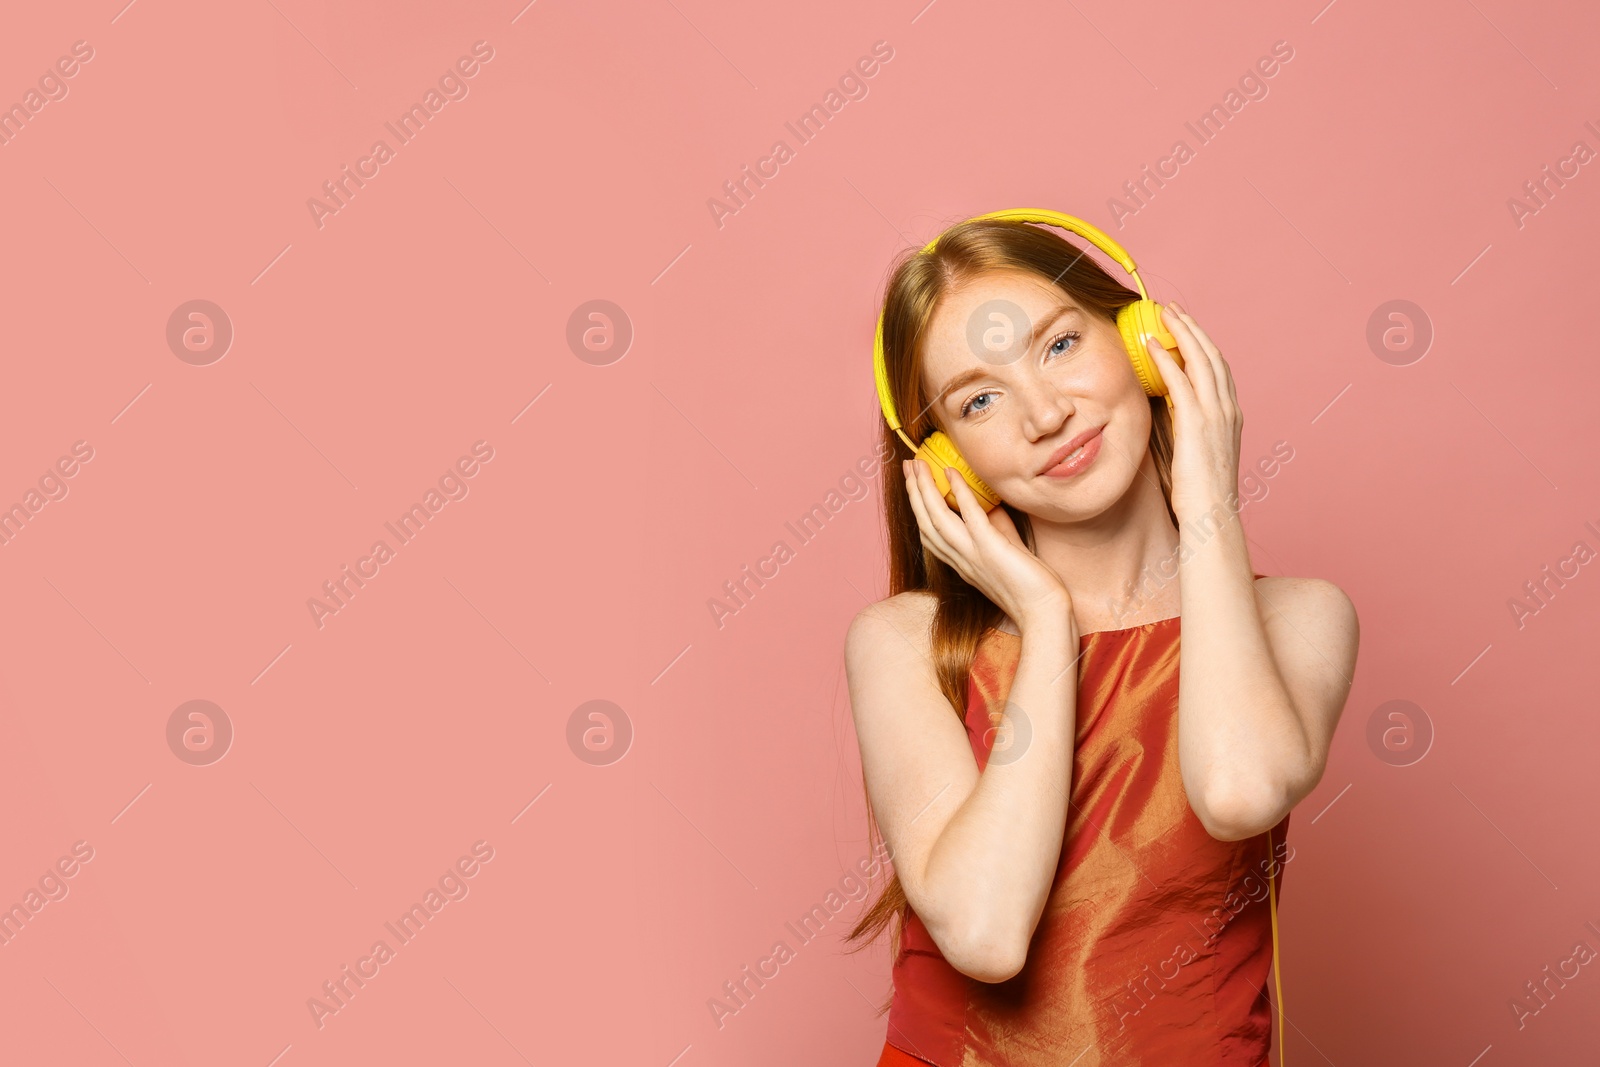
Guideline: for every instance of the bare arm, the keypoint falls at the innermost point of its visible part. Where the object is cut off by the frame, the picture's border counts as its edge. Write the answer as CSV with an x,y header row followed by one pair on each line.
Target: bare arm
x,y
1262,686
975,853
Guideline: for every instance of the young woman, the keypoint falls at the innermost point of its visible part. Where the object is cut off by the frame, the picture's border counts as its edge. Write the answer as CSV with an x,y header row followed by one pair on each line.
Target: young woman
x,y
1082,850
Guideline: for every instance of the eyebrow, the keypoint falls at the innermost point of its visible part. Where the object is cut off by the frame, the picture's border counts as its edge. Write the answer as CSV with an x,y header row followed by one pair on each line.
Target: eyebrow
x,y
972,374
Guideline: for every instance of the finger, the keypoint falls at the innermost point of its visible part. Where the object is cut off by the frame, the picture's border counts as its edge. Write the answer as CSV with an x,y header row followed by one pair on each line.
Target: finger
x,y
966,501
1219,366
1199,332
1001,518
937,522
952,526
973,514
1196,361
1180,390
932,544
918,507
1227,377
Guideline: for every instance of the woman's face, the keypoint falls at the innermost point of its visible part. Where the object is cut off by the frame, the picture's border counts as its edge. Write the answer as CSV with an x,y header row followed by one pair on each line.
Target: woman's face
x,y
1017,372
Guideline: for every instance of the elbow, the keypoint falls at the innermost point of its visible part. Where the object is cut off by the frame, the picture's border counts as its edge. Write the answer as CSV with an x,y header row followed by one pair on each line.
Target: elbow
x,y
1238,814
987,963
982,954
1237,810
991,965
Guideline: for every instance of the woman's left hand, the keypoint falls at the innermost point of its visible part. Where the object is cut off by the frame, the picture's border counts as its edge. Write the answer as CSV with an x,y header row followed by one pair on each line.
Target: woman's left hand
x,y
1207,423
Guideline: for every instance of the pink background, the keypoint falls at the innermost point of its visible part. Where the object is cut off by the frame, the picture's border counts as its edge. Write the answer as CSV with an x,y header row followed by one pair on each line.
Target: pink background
x,y
428,313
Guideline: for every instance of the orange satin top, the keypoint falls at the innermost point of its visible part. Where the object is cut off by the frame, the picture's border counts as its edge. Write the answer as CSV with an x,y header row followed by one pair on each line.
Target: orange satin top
x,y
1155,942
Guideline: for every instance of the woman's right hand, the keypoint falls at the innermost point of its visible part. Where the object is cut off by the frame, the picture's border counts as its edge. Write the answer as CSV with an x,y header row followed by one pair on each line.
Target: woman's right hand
x,y
986,550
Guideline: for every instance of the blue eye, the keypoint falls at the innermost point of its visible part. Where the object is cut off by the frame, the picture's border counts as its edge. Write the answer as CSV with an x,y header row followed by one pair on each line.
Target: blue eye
x,y
967,407
1053,349
1070,335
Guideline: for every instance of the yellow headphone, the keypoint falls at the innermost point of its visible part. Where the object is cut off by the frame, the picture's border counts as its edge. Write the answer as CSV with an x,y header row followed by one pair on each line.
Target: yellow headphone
x,y
1136,322
1277,971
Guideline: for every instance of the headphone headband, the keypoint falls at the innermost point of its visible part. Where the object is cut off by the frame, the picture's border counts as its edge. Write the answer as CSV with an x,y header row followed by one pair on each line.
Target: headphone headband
x,y
1093,234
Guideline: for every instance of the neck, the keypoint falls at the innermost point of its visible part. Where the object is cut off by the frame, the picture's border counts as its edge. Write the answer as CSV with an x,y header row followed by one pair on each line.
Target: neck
x,y
1120,567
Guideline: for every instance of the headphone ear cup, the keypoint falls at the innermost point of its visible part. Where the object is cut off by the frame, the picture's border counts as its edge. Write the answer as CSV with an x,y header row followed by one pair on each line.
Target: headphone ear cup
x,y
1135,322
939,452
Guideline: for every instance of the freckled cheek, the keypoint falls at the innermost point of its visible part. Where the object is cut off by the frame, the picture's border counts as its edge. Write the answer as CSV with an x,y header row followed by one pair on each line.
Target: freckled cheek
x,y
1115,386
996,451
1103,376
1116,378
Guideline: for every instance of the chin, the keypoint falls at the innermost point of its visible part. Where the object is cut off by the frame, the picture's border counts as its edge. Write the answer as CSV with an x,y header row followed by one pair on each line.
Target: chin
x,y
1087,495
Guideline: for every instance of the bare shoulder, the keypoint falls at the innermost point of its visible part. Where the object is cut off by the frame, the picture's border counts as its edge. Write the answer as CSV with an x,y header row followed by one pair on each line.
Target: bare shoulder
x,y
909,614
890,643
1300,597
1313,612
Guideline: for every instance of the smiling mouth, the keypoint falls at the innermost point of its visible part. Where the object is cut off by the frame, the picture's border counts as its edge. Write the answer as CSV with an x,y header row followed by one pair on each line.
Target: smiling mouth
x,y
1075,454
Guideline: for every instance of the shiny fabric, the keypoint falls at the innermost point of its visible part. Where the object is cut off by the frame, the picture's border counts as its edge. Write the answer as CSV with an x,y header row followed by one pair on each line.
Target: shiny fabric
x,y
893,1057
1155,943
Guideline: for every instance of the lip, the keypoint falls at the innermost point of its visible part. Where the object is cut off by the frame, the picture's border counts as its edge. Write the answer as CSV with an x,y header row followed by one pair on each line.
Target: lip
x,y
1054,468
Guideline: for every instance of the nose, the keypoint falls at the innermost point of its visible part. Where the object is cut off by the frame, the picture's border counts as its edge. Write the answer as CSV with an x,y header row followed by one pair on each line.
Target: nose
x,y
1046,408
